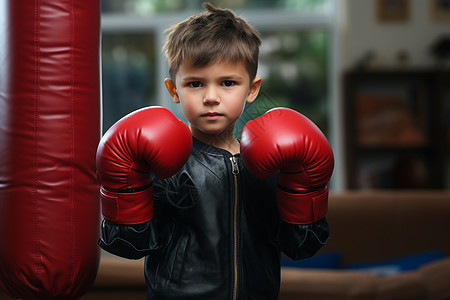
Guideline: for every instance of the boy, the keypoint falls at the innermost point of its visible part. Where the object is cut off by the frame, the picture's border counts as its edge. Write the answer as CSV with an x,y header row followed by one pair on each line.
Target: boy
x,y
213,230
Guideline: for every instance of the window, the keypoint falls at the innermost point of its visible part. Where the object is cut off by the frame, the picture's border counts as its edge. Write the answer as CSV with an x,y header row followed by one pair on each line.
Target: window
x,y
128,74
294,67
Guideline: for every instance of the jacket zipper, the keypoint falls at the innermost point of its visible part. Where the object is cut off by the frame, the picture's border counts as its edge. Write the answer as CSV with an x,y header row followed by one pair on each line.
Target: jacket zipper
x,y
235,171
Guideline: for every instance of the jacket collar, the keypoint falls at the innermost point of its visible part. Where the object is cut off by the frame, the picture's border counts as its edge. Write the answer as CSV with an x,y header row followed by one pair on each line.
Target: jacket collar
x,y
209,149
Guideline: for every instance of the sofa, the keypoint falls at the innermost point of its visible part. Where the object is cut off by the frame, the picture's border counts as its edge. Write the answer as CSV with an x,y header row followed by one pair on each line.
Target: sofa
x,y
370,231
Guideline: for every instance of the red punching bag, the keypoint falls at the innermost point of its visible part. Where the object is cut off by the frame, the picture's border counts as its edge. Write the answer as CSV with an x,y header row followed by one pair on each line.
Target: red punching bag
x,y
49,131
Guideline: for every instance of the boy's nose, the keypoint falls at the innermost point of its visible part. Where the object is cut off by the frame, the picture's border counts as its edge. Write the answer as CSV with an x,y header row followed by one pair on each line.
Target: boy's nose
x,y
211,96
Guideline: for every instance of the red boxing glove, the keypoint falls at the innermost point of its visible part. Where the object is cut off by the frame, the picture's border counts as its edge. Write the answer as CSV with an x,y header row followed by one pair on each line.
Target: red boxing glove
x,y
149,139
283,139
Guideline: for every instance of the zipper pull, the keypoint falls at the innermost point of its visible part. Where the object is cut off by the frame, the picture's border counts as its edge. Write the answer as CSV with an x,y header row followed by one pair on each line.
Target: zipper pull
x,y
234,166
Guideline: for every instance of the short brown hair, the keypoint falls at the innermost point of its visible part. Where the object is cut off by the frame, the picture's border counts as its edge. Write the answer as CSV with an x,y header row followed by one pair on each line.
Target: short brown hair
x,y
214,35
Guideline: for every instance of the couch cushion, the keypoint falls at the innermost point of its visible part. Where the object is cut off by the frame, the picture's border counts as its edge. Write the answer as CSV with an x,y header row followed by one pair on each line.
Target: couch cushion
x,y
319,261
116,272
436,277
407,286
381,225
398,265
321,284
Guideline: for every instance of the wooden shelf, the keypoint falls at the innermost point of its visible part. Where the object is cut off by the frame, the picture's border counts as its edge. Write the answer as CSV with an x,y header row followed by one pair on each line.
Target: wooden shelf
x,y
397,128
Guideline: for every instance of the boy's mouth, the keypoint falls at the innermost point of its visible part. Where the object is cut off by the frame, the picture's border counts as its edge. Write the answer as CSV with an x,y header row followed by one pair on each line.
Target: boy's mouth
x,y
212,115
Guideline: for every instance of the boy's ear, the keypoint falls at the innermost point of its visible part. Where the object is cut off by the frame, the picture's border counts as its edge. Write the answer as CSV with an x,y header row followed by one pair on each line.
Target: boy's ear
x,y
254,89
172,90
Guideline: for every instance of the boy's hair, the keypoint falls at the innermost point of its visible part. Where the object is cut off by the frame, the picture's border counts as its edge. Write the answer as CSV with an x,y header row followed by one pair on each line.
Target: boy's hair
x,y
215,35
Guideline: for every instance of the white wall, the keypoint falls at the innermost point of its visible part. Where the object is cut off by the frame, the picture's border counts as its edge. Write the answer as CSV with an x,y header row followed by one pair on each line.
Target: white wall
x,y
362,32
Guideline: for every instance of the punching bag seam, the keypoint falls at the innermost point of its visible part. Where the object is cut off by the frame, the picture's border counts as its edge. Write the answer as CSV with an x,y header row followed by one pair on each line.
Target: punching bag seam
x,y
38,257
72,146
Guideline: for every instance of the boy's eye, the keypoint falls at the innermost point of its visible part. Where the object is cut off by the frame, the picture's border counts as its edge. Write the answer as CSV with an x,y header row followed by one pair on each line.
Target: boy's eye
x,y
195,84
228,83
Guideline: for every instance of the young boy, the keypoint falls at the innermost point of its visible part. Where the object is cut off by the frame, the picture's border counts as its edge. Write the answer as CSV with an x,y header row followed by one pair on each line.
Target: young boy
x,y
212,230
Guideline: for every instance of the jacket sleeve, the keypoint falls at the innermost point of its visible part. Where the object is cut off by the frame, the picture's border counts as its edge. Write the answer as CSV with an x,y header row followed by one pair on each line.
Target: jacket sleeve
x,y
296,241
129,241
137,241
300,241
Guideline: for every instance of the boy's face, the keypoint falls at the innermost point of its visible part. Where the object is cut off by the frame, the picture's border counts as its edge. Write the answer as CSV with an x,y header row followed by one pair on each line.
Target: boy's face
x,y
213,97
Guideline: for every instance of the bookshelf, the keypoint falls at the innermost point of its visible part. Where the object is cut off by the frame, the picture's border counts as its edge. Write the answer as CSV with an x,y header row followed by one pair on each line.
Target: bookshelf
x,y
397,128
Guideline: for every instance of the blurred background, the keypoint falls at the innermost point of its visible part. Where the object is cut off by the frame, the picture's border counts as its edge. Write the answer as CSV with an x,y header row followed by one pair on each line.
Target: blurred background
x,y
372,74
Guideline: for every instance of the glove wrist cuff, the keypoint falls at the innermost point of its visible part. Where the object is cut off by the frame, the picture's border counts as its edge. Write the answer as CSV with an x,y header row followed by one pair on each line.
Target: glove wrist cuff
x,y
302,208
127,208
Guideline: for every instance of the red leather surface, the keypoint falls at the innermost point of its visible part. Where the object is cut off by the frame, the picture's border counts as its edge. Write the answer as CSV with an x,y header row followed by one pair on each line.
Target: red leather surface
x,y
285,140
49,131
149,139
302,208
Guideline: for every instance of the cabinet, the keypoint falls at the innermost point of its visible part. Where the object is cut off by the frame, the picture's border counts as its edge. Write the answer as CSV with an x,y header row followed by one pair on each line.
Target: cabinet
x,y
397,129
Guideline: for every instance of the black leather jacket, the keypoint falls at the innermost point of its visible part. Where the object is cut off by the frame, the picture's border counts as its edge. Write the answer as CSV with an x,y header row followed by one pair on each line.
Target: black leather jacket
x,y
216,233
